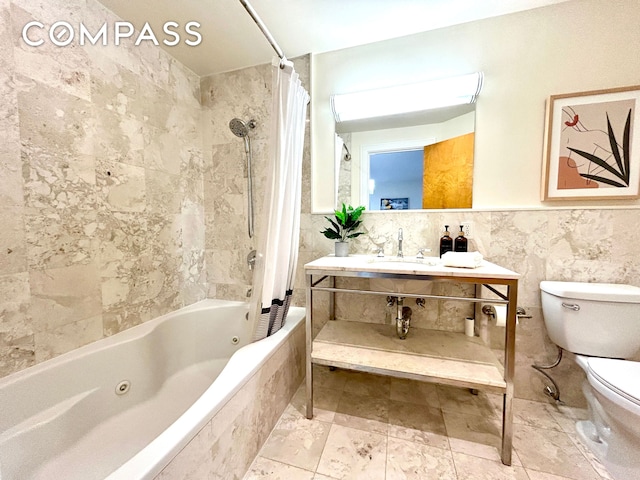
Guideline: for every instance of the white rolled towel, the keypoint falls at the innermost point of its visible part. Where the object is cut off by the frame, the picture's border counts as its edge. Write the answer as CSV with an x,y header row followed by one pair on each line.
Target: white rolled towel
x,y
462,259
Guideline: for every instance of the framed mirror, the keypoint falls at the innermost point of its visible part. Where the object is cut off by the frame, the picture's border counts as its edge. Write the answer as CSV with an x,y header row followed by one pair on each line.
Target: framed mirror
x,y
412,161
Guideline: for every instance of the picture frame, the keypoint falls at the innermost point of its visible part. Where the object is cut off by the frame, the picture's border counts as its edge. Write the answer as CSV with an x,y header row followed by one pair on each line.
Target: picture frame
x,y
394,203
592,145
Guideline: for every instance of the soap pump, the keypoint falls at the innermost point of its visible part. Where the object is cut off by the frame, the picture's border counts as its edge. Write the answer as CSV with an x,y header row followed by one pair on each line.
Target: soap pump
x,y
446,242
460,243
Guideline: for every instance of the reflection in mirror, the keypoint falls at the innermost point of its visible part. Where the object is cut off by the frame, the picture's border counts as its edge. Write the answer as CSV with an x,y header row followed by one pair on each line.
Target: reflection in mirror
x,y
395,180
413,161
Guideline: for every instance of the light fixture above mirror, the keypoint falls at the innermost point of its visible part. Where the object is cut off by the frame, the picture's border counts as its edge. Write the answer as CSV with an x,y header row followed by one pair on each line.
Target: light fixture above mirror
x,y
402,99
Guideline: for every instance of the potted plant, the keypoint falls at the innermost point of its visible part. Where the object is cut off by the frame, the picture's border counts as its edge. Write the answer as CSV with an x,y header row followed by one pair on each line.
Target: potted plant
x,y
347,220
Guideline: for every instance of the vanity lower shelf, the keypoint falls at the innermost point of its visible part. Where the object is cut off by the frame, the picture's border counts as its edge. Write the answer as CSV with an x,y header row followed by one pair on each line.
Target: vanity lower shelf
x,y
427,355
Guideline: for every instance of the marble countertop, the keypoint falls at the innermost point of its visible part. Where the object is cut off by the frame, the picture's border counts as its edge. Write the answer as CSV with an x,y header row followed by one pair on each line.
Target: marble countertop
x,y
429,266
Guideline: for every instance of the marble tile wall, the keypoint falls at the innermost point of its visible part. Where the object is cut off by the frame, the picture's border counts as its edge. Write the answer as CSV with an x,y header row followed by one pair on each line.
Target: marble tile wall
x,y
101,186
243,94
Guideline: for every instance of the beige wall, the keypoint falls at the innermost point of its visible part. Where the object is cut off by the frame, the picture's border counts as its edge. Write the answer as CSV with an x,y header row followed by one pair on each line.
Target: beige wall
x,y
526,57
101,187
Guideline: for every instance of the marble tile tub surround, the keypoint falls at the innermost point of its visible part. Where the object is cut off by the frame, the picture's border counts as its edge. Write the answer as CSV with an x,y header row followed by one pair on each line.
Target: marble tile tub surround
x,y
590,245
373,427
104,182
226,446
243,94
101,194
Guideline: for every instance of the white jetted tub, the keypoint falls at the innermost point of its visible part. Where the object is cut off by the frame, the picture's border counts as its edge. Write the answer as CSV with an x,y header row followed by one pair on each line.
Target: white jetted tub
x,y
123,407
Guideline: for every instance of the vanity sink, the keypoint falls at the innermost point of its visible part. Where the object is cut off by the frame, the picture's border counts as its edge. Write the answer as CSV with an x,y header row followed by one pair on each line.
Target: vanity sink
x,y
394,285
431,261
398,285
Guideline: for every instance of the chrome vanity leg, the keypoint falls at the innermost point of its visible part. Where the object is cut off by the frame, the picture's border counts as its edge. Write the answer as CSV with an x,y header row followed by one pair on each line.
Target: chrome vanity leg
x,y
332,299
309,334
509,368
507,425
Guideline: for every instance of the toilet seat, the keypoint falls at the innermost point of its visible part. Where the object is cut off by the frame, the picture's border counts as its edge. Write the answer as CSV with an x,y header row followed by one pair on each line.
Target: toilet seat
x,y
619,376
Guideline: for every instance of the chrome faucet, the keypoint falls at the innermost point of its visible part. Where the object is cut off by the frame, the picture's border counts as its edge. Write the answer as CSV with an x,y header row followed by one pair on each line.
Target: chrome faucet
x,y
400,255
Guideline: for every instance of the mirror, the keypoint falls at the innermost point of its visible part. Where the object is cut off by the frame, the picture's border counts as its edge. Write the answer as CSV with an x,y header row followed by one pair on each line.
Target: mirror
x,y
412,161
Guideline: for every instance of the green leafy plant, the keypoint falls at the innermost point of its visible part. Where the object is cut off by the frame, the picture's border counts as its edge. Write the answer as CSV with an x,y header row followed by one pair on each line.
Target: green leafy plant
x,y
347,220
622,161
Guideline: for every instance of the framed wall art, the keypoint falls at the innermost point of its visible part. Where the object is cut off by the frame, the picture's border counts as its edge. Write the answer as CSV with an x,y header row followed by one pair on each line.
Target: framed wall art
x,y
394,203
592,145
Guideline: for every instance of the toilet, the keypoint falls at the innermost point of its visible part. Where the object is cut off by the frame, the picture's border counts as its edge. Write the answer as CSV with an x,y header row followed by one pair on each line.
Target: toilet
x,y
600,323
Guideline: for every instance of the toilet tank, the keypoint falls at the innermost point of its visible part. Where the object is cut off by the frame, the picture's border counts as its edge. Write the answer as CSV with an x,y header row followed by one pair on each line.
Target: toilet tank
x,y
595,319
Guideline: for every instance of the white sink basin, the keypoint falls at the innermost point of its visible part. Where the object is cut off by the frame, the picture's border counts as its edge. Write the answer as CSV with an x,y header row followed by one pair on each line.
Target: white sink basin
x,y
431,261
399,285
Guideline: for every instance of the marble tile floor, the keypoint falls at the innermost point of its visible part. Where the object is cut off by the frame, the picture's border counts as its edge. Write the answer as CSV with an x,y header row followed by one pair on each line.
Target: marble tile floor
x,y
380,428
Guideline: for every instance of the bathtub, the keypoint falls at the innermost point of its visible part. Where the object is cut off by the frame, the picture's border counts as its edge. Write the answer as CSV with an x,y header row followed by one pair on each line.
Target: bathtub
x,y
123,407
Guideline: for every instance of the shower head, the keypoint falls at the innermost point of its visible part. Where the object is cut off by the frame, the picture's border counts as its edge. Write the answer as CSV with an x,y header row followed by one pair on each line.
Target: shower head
x,y
238,127
241,129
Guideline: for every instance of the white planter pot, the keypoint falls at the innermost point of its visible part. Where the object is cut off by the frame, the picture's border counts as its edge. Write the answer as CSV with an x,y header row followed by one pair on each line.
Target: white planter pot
x,y
342,249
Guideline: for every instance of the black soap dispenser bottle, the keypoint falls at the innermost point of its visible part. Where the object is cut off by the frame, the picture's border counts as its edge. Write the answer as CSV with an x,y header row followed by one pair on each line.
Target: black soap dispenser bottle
x,y
446,242
460,244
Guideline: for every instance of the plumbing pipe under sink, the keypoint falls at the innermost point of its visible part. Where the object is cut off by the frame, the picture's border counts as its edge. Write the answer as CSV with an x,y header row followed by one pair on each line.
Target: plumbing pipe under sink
x,y
403,318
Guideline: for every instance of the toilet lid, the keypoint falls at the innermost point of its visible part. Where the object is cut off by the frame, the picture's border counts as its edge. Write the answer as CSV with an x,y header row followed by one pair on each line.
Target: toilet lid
x,y
621,376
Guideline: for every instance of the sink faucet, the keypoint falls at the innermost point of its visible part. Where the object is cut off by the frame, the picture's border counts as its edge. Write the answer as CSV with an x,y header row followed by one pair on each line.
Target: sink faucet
x,y
400,243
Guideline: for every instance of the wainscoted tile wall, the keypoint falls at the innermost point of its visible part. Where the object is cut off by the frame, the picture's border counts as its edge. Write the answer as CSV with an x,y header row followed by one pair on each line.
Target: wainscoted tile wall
x,y
589,245
101,193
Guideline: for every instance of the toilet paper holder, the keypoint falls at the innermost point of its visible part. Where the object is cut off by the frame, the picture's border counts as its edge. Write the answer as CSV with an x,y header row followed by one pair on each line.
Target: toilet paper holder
x,y
489,310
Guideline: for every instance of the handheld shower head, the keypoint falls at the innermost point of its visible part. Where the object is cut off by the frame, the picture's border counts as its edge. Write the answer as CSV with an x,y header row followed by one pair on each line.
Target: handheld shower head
x,y
239,128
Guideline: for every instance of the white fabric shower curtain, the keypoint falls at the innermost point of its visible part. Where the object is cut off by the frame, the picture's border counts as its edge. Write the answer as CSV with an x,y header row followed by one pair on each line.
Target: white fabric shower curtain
x,y
277,252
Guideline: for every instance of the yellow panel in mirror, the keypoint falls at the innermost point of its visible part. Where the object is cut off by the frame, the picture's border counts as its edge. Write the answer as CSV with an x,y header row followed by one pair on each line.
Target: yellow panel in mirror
x,y
448,173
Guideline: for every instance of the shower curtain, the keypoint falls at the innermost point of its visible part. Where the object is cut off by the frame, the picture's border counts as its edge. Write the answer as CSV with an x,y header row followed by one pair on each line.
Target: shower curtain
x,y
277,253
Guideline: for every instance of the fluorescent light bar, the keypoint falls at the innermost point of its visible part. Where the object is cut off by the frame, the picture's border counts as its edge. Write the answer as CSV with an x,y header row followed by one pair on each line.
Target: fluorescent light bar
x,y
407,98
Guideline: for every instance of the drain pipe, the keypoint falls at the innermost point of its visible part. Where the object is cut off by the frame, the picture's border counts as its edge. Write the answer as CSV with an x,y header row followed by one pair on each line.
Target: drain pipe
x,y
403,318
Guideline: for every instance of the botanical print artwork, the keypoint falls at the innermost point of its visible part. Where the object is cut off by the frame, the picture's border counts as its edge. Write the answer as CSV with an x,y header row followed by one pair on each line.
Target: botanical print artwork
x,y
595,145
592,151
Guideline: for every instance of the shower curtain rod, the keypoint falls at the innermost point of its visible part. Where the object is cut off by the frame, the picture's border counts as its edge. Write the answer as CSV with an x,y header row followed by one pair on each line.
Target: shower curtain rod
x,y
265,31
